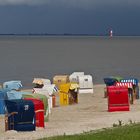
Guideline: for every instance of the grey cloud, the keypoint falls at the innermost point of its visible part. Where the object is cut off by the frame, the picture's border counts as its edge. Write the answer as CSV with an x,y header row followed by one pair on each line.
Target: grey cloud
x,y
94,3
74,3
23,2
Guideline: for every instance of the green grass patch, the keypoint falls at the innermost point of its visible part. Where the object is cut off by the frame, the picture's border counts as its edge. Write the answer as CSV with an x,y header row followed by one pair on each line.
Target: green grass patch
x,y
127,132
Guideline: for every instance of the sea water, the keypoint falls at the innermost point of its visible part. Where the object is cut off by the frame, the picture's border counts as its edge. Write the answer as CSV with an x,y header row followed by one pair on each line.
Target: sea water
x,y
25,57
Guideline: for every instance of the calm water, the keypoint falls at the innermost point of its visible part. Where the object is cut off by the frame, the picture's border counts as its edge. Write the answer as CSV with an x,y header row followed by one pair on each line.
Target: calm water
x,y
23,58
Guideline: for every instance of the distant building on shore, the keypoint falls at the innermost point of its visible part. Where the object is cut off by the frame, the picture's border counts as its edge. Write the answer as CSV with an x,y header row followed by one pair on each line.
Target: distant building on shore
x,y
111,33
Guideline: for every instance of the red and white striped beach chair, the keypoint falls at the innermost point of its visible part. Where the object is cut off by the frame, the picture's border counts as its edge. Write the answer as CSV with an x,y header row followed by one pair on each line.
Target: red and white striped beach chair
x,y
129,85
126,84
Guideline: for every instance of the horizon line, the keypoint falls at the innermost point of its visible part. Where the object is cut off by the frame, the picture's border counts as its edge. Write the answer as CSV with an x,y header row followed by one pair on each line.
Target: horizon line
x,y
64,34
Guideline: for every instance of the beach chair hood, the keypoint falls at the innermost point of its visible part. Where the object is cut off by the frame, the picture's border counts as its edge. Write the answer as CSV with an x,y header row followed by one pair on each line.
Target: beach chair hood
x,y
41,81
12,85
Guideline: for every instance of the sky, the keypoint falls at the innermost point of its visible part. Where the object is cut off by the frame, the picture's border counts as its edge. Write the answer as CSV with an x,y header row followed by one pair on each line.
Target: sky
x,y
70,16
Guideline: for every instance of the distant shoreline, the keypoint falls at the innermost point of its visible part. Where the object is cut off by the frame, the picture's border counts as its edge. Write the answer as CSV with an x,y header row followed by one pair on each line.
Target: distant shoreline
x,y
67,34
45,34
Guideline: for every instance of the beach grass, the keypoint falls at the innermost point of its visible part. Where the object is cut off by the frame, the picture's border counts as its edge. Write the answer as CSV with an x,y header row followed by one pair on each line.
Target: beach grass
x,y
127,132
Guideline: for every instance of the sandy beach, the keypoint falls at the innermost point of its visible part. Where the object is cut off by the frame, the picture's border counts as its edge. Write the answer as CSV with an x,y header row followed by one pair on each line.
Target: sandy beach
x,y
89,114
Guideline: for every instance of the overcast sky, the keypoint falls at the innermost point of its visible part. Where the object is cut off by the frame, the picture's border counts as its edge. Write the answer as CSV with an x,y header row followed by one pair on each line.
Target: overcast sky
x,y
70,16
